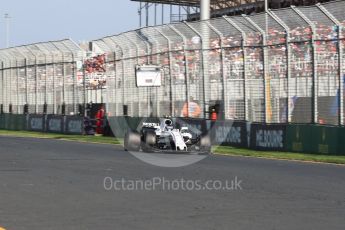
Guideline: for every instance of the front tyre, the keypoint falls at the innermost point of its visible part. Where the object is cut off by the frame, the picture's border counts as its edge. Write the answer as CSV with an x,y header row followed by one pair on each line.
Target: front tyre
x,y
149,141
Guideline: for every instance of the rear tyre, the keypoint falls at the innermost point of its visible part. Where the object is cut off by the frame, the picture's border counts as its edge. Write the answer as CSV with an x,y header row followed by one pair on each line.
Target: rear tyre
x,y
132,141
149,142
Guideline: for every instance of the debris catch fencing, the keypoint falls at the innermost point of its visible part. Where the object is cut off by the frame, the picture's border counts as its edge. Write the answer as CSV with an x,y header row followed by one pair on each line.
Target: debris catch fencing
x,y
282,66
41,78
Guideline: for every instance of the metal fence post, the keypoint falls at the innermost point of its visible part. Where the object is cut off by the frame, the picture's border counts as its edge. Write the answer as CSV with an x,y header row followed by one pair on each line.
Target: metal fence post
x,y
46,83
115,72
74,74
115,84
172,105
36,85
110,91
115,61
266,78
186,69
123,82
206,81
149,61
26,83
54,86
17,86
2,85
85,99
63,80
222,69
137,62
288,61
9,83
341,75
315,76
147,41
243,47
340,62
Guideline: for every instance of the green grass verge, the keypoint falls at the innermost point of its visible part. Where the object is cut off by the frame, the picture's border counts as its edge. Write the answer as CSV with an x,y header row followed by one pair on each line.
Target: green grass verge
x,y
280,155
78,138
217,150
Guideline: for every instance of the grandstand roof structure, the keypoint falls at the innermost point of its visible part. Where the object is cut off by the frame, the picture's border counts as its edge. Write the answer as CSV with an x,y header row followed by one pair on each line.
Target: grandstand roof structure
x,y
215,4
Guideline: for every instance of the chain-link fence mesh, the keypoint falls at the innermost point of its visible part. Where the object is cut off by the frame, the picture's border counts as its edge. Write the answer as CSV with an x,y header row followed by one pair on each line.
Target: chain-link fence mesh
x,y
40,78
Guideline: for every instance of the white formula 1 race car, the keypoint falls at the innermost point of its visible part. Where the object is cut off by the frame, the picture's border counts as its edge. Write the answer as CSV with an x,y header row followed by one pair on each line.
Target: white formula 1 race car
x,y
164,137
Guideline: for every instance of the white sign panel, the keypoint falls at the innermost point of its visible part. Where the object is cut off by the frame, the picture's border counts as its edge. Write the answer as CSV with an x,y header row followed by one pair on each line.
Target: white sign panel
x,y
148,76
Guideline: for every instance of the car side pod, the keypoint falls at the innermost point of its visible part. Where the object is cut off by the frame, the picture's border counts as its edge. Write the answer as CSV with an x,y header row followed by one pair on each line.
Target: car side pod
x,y
132,141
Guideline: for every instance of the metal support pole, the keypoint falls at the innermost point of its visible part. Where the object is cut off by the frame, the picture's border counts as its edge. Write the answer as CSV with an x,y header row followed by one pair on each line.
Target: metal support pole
x,y
36,86
222,69
155,20
266,5
186,69
112,48
85,99
205,77
2,85
17,86
288,62
36,81
188,12
172,106
162,14
150,51
266,78
26,82
147,13
149,61
134,44
10,84
315,118
115,84
54,86
63,81
120,59
140,12
205,9
74,76
341,77
123,85
157,98
46,83
243,46
7,21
